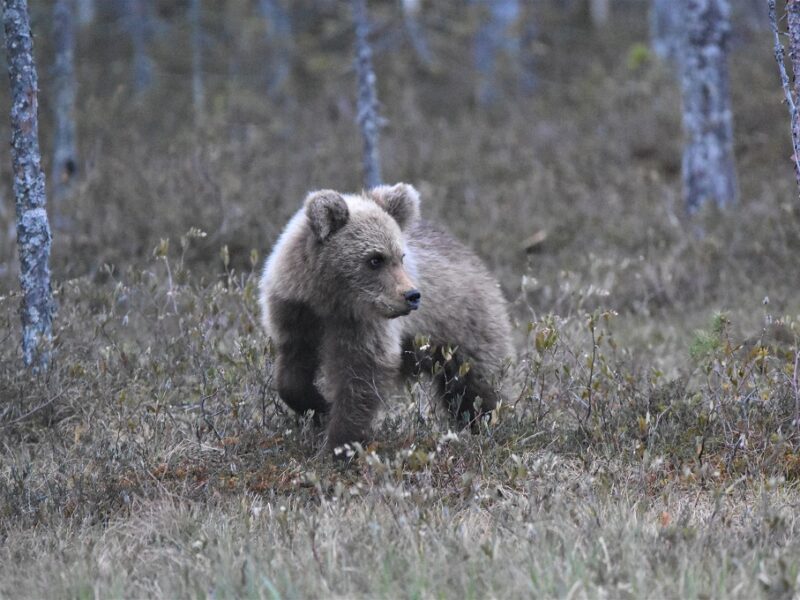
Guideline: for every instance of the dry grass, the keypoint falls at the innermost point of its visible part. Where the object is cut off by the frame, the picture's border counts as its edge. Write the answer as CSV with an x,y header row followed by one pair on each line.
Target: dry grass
x,y
649,447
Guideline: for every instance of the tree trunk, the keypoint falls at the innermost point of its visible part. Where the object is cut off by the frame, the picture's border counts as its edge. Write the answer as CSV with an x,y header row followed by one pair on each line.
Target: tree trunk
x,y
599,12
709,170
367,96
495,34
33,229
86,12
139,27
65,154
279,40
198,85
527,51
794,52
665,29
411,10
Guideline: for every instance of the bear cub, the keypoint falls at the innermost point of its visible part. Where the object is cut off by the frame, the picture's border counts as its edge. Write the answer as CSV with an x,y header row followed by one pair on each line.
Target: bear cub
x,y
352,281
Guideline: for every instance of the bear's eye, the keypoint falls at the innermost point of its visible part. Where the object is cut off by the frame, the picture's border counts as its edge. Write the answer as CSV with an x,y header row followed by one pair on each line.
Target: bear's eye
x,y
376,261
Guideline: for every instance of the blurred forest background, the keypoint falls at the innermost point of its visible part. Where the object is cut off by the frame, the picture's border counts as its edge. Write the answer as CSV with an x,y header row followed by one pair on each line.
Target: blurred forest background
x,y
650,445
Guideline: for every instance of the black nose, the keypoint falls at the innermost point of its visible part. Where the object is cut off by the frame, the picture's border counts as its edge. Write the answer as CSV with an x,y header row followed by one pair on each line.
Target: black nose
x,y
412,299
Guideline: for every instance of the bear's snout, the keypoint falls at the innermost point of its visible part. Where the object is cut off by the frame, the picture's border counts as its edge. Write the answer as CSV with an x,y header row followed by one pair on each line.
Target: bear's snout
x,y
412,299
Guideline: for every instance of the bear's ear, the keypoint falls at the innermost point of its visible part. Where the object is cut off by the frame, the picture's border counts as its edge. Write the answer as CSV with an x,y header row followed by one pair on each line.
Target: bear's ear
x,y
327,213
401,201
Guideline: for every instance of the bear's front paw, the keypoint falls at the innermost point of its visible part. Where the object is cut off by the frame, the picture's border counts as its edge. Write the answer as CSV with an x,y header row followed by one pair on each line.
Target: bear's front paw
x,y
345,441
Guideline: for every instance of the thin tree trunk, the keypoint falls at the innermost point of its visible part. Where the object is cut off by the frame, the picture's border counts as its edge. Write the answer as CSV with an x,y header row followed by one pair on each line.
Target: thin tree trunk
x,y
367,96
665,29
411,10
527,54
198,84
279,40
709,171
65,154
86,12
793,25
494,35
599,12
138,25
791,99
33,229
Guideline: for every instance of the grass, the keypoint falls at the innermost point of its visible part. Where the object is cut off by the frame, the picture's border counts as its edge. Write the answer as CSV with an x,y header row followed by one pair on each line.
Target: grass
x,y
649,444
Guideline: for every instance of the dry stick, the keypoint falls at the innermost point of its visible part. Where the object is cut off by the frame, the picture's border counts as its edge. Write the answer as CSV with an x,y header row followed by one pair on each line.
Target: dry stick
x,y
795,120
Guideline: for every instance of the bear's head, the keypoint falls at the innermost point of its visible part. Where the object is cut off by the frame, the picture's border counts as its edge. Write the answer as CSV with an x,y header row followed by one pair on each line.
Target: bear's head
x,y
358,250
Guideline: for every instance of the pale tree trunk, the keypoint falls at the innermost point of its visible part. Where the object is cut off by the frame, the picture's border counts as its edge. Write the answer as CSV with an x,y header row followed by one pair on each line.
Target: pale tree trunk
x,y
793,22
279,40
793,25
665,29
494,35
139,28
528,39
65,154
368,119
411,12
33,229
86,12
198,84
709,171
599,12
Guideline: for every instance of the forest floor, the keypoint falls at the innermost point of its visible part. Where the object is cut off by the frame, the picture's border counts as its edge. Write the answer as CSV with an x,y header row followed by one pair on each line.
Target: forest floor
x,y
650,444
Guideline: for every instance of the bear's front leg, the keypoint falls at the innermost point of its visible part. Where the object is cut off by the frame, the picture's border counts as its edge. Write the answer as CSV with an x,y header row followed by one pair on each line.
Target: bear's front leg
x,y
355,377
297,333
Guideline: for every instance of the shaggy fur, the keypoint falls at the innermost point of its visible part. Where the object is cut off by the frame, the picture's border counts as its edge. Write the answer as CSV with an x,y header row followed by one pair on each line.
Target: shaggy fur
x,y
337,297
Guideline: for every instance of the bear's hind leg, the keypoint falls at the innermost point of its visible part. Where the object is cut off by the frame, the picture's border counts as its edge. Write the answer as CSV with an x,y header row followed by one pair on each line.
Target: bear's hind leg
x,y
466,392
298,335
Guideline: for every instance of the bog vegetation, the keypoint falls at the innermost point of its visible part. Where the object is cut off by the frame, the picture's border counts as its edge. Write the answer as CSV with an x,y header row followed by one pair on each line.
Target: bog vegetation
x,y
650,443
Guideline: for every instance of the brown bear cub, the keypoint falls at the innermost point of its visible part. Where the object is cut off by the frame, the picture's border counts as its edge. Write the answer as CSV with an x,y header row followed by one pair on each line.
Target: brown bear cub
x,y
350,284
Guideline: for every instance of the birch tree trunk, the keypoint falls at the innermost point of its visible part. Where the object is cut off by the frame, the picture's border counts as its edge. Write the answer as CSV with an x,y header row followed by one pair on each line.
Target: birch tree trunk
x,y
411,10
65,154
665,29
528,38
33,229
792,98
198,83
493,36
599,12
709,171
367,97
86,12
139,26
279,40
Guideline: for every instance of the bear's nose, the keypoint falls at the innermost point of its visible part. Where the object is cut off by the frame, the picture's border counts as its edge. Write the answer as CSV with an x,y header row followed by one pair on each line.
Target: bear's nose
x,y
412,299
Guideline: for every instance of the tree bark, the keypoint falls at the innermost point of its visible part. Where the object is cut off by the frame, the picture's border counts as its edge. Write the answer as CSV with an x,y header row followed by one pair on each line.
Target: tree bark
x,y
791,99
494,35
279,39
198,83
33,229
411,10
367,97
665,29
599,12
86,12
139,26
527,51
709,171
65,154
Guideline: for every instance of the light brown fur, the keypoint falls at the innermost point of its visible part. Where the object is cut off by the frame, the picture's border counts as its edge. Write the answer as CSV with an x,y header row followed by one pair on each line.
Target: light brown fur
x,y
332,312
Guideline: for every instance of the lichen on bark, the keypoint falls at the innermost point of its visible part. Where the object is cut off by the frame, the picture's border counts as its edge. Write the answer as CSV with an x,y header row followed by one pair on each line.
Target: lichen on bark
x,y
33,228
